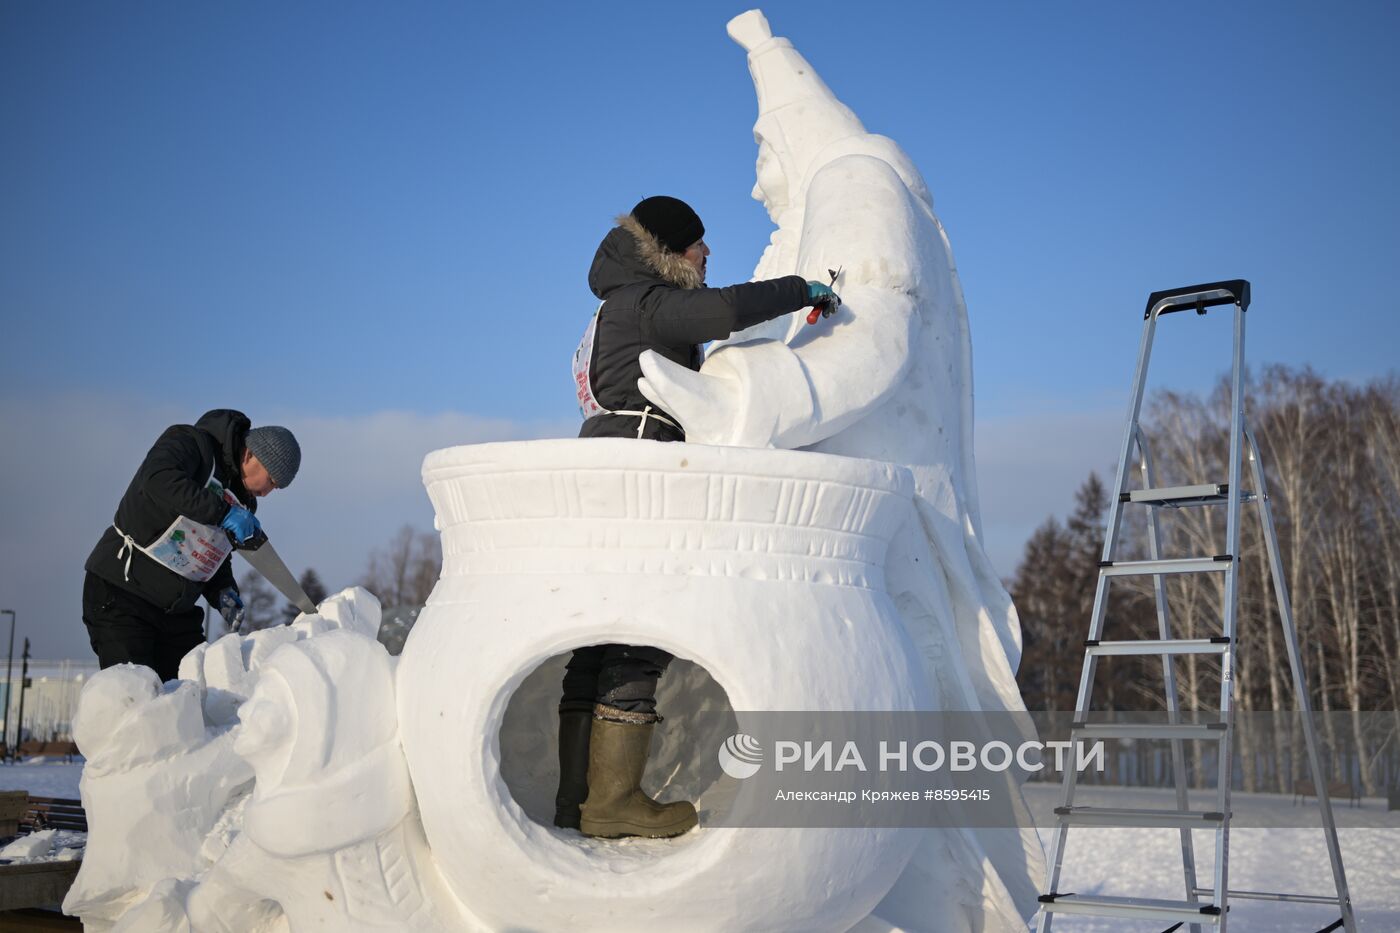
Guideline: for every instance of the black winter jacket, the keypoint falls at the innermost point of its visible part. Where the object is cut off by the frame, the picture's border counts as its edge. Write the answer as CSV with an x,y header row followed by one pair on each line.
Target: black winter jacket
x,y
172,482
652,300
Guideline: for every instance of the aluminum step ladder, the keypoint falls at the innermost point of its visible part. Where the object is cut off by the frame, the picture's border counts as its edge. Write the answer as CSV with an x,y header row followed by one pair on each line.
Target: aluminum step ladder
x,y
1202,906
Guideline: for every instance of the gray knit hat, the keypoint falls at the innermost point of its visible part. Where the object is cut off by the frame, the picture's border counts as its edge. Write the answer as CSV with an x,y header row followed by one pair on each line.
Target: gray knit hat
x,y
279,452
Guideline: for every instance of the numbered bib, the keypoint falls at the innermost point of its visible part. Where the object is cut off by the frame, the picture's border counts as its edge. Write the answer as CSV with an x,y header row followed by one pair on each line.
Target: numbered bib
x,y
193,549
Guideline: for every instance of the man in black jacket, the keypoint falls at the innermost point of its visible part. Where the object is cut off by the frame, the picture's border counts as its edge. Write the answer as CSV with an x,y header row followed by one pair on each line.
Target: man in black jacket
x,y
649,273
192,498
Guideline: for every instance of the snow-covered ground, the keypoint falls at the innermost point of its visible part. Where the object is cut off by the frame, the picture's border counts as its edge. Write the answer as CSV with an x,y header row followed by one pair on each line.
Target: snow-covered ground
x,y
1147,863
42,778
1142,862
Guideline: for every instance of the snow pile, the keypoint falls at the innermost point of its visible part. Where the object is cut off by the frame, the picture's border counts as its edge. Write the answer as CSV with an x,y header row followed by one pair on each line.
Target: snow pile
x,y
43,846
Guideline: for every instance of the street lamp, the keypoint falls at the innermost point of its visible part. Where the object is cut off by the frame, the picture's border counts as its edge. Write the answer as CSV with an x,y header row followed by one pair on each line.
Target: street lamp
x,y
9,672
23,682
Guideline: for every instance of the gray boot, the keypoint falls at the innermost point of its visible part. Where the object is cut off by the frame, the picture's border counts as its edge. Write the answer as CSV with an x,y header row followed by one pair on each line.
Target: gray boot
x,y
574,729
616,805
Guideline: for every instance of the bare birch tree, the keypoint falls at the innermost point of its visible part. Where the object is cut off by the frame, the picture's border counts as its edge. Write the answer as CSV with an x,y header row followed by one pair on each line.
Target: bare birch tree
x,y
404,572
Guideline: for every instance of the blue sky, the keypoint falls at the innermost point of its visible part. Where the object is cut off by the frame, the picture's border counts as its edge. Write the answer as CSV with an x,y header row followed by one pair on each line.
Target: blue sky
x,y
373,222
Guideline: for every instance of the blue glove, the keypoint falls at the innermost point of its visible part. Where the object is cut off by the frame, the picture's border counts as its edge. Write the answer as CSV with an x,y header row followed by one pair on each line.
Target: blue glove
x,y
230,606
821,296
241,523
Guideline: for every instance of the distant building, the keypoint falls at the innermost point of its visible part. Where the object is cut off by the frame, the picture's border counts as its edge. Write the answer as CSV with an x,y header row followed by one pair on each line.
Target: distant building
x,y
50,701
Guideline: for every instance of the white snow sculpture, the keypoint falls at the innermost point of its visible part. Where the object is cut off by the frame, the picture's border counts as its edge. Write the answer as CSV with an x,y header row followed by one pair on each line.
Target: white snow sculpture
x,y
330,834
889,377
155,783
265,788
763,567
267,791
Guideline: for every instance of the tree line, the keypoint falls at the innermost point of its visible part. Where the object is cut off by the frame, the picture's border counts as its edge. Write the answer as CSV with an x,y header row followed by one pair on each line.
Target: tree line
x,y
1331,457
400,574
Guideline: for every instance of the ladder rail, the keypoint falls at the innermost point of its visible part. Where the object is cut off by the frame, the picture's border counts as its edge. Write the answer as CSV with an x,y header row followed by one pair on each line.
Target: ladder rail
x,y
1071,779
1300,685
1225,755
1125,452
1114,525
1173,698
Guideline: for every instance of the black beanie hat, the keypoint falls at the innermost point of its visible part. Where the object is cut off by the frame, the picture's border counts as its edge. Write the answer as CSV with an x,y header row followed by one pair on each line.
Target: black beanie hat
x,y
671,221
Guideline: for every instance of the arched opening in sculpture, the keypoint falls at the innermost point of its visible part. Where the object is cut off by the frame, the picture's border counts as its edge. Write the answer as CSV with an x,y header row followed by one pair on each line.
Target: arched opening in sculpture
x,y
683,765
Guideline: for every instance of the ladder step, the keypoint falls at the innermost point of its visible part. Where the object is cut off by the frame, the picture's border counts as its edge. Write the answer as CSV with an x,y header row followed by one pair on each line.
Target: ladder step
x,y
1140,908
1177,495
1329,899
1111,816
1102,649
1183,496
1126,568
1211,731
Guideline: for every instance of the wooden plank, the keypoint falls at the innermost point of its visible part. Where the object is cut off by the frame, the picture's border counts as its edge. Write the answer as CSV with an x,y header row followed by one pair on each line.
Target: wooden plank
x,y
69,809
22,921
36,884
54,813
13,803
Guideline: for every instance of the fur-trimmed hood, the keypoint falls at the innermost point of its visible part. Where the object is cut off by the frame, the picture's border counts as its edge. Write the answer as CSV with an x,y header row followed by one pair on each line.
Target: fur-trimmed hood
x,y
630,254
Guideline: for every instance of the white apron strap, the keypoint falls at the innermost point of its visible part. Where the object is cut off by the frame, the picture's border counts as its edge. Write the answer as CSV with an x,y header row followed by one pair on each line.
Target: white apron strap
x,y
644,415
128,548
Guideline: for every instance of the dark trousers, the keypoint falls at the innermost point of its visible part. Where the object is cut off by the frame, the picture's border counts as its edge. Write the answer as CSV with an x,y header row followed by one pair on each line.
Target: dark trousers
x,y
621,676
124,628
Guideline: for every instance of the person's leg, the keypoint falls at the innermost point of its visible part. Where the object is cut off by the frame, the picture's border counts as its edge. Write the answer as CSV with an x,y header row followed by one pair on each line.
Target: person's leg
x,y
121,627
575,726
581,678
627,678
619,746
180,632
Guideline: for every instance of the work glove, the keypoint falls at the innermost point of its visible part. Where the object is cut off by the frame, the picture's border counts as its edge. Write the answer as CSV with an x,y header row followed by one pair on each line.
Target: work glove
x,y
821,296
230,606
240,523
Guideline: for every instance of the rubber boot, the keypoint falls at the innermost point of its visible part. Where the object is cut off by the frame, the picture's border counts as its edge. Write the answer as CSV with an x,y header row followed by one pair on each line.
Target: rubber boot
x,y
616,805
575,727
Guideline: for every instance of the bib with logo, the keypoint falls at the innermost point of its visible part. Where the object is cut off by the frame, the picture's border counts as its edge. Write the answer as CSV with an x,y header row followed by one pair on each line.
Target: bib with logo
x,y
583,358
192,549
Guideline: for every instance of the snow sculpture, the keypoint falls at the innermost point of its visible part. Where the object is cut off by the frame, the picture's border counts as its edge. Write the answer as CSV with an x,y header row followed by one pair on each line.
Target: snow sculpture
x,y
889,377
154,773
332,811
299,779
265,789
762,567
